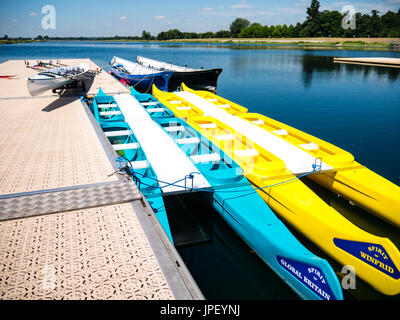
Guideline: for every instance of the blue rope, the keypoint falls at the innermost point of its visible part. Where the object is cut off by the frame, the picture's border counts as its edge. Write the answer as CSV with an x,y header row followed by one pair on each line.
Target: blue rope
x,y
120,159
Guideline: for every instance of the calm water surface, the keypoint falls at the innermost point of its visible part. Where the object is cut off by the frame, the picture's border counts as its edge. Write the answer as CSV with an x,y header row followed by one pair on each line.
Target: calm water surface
x,y
354,107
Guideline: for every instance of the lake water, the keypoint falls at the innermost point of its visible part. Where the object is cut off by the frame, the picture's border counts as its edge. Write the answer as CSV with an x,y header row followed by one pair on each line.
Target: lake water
x,y
354,107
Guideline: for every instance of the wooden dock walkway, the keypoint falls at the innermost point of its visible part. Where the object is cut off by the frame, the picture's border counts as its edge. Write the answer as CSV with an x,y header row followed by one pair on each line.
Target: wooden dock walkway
x,y
69,228
371,61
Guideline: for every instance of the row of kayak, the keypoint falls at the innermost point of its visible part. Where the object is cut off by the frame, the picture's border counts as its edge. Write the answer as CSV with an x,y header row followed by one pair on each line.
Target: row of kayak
x,y
273,154
247,164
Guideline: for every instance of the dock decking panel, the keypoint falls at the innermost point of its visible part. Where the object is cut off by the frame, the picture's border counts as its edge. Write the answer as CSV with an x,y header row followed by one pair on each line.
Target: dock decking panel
x,y
98,253
49,143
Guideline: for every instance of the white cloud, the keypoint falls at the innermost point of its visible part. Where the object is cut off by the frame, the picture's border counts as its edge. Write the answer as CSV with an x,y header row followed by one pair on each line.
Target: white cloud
x,y
123,18
107,24
159,17
34,14
14,20
208,9
242,5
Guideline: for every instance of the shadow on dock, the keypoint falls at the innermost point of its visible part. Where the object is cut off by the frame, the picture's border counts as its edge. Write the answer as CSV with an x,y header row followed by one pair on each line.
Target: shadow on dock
x,y
69,95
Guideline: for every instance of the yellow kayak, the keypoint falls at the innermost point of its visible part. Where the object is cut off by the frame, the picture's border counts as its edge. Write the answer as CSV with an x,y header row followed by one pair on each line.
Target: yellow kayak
x,y
376,259
349,179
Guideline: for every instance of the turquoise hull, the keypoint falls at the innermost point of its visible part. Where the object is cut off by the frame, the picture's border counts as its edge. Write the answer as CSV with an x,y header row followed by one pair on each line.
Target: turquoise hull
x,y
112,122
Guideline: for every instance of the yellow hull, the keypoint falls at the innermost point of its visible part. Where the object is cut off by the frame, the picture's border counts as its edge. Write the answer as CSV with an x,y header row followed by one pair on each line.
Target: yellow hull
x,y
320,223
349,179
366,189
296,203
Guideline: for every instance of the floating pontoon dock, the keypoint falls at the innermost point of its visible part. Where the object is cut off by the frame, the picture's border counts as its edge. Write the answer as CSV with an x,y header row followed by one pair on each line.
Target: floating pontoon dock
x,y
381,62
69,227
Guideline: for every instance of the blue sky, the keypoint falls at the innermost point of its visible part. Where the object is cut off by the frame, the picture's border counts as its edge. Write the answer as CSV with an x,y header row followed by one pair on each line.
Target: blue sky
x,y
130,17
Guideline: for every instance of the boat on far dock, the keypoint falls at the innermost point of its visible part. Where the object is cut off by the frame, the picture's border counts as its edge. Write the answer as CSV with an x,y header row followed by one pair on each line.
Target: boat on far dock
x,y
139,76
55,78
195,78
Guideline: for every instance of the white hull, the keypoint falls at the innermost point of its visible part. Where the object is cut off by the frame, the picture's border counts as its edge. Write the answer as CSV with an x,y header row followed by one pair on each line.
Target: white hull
x,y
160,65
38,86
132,67
55,78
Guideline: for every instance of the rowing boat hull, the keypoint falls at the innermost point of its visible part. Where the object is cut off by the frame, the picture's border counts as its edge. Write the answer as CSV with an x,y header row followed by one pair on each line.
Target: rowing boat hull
x,y
366,189
39,86
205,79
143,83
116,124
276,246
202,79
349,179
54,78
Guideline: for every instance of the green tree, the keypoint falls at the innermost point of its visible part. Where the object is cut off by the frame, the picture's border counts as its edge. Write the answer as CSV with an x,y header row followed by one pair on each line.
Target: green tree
x,y
284,31
311,25
277,32
374,24
313,10
330,24
390,24
237,25
146,35
207,35
223,34
253,31
162,36
266,32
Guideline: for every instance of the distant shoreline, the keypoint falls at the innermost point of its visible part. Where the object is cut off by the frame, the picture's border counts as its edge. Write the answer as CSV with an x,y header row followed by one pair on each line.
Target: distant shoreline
x,y
339,43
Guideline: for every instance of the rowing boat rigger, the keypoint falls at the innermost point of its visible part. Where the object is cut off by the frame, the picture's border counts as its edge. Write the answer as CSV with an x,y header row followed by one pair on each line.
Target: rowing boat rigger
x,y
274,156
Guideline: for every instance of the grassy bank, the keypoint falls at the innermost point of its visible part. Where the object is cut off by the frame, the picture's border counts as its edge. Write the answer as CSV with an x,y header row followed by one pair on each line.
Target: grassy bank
x,y
383,44
339,43
333,42
14,41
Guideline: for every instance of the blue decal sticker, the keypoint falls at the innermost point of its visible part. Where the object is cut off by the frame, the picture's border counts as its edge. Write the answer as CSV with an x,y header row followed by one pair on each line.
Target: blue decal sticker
x,y
309,275
371,253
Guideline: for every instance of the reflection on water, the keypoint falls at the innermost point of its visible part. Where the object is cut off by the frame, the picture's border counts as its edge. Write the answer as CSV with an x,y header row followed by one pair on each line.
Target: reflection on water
x,y
325,64
222,264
